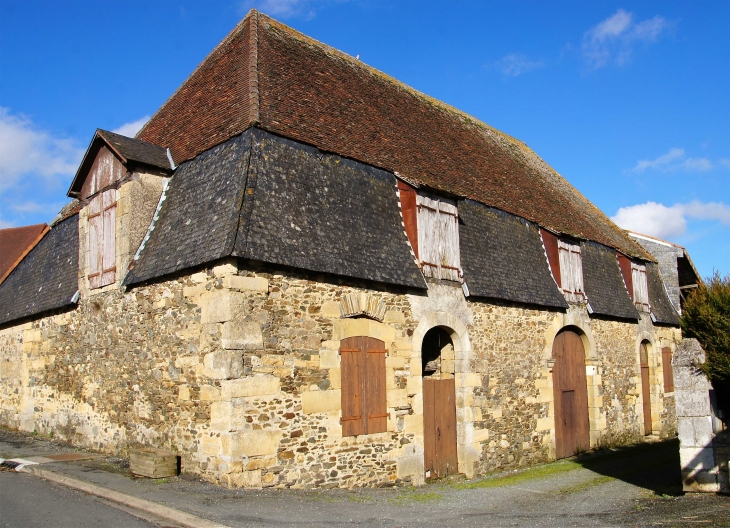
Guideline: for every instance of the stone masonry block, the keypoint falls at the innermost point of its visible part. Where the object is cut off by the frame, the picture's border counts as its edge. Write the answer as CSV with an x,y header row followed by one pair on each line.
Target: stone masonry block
x,y
413,424
545,424
692,403
210,445
329,359
335,378
252,386
394,316
241,336
468,379
690,378
245,479
331,309
695,431
236,282
221,414
396,397
321,401
209,393
223,364
696,458
414,384
219,306
251,443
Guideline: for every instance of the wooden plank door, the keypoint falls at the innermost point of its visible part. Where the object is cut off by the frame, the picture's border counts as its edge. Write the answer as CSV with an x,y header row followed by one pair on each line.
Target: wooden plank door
x,y
439,424
570,393
645,387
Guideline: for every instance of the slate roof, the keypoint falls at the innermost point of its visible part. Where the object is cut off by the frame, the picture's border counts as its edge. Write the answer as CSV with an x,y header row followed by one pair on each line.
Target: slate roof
x,y
268,75
604,284
503,257
661,306
266,198
130,151
15,243
199,217
47,278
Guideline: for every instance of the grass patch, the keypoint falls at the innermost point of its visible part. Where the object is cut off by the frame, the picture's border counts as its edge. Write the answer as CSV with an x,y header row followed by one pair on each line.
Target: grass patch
x,y
547,470
583,486
409,497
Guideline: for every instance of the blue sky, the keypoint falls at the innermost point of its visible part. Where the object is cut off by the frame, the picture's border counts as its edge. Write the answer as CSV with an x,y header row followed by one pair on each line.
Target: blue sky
x,y
629,101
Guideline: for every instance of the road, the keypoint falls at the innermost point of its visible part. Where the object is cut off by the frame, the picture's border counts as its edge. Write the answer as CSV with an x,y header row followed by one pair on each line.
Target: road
x,y
29,502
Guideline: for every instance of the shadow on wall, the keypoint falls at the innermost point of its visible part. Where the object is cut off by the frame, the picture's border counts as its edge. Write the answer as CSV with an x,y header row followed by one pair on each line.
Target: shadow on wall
x,y
655,466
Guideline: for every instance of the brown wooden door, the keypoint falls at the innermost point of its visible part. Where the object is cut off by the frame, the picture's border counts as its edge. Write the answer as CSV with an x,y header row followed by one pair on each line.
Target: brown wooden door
x,y
570,392
645,387
439,427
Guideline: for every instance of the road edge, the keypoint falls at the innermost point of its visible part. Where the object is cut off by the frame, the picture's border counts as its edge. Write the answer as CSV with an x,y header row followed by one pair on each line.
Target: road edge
x,y
185,519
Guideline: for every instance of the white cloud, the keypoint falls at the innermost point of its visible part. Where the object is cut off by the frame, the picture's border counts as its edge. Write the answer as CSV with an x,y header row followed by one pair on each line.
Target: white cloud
x,y
131,129
675,160
614,38
26,149
667,222
515,64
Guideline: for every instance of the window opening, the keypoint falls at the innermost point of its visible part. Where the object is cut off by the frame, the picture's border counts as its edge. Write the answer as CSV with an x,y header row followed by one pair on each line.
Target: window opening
x,y
438,238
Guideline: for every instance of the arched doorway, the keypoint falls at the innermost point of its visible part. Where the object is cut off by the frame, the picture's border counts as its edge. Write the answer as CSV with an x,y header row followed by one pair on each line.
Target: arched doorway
x,y
645,386
570,394
439,404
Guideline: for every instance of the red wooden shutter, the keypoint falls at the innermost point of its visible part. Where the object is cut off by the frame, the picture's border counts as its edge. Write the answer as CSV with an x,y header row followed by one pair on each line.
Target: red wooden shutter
x,y
353,386
410,213
96,235
667,369
375,403
109,247
625,264
550,242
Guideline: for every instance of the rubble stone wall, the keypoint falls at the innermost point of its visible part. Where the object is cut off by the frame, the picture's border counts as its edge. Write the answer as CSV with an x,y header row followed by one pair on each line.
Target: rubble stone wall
x,y
236,367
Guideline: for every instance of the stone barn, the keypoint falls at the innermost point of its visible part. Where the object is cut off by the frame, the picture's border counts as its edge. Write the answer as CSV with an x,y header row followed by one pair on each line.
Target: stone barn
x,y
304,273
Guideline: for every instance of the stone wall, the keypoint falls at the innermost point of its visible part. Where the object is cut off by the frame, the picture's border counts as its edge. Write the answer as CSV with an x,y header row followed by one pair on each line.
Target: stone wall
x,y
236,367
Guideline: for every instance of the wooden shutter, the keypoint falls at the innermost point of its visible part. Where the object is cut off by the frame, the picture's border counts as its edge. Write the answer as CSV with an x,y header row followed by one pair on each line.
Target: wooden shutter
x,y
438,238
109,247
364,407
550,242
96,236
571,270
375,403
353,386
449,261
428,235
409,209
641,290
667,369
624,263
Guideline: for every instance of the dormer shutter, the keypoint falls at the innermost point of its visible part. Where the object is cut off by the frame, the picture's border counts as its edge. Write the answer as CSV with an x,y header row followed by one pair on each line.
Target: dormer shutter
x,y
438,238
641,289
571,271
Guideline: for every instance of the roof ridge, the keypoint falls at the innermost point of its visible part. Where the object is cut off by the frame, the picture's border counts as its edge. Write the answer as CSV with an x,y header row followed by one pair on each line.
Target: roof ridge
x,y
226,40
253,70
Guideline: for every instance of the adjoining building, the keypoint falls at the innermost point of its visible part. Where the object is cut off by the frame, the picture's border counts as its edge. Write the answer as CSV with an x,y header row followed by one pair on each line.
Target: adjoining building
x,y
304,273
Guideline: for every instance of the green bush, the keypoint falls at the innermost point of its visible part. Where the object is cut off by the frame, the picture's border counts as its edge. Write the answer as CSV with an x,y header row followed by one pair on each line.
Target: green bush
x,y
706,317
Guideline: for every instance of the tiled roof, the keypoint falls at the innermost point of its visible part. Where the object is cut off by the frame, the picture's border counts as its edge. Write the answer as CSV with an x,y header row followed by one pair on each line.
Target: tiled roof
x,y
503,257
266,74
132,152
284,203
661,306
604,285
135,150
47,278
15,243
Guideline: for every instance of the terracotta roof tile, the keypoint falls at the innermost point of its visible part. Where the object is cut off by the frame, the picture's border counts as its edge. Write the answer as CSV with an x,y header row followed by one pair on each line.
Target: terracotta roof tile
x,y
265,73
16,243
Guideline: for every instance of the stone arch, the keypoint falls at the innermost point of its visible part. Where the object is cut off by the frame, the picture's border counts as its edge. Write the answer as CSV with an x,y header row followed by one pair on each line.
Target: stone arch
x,y
465,381
566,320
648,387
581,326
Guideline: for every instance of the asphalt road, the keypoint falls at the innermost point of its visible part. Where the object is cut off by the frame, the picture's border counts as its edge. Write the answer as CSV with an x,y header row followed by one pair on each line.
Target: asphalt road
x,y
638,486
29,502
